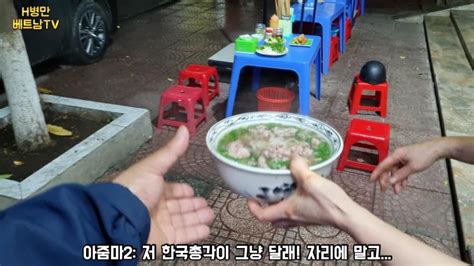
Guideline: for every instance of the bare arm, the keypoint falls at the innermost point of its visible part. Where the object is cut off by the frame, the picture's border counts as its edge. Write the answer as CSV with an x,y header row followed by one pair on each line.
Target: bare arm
x,y
330,205
408,160
458,148
366,228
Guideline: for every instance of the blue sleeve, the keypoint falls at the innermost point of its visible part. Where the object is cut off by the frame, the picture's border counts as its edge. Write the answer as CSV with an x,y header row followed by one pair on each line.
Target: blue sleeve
x,y
52,228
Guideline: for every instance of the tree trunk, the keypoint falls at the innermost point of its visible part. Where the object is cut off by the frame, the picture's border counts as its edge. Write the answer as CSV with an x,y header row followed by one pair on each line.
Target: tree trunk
x,y
26,115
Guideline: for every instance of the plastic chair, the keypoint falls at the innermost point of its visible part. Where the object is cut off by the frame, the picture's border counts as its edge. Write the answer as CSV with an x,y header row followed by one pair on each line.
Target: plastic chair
x,y
187,98
326,13
201,76
356,96
375,133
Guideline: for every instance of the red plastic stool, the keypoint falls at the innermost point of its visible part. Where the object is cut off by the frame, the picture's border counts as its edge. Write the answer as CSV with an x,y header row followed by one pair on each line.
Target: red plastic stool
x,y
187,98
200,76
375,133
357,95
334,50
348,33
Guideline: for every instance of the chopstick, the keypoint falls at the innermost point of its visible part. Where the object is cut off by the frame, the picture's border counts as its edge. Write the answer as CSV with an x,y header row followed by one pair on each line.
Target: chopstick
x,y
280,6
277,7
283,8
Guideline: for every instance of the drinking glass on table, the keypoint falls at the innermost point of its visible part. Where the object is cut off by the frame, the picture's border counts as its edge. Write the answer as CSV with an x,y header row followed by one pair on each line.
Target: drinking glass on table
x,y
260,29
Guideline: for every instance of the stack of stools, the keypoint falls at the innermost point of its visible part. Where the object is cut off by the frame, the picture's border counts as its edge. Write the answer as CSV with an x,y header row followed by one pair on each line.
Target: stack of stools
x,y
198,91
364,133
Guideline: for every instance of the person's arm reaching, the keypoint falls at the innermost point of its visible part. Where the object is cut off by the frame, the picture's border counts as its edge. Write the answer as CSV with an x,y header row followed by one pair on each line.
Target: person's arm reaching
x,y
320,201
396,168
459,148
177,216
138,208
366,228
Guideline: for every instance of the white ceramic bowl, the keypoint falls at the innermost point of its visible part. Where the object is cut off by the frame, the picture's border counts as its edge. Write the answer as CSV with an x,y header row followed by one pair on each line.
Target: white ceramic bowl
x,y
265,184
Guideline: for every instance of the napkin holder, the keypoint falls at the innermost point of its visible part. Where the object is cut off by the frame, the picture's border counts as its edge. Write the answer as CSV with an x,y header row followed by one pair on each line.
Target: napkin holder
x,y
246,44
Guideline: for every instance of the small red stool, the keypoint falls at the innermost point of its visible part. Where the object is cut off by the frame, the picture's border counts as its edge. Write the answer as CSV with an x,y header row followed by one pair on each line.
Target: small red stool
x,y
357,95
334,50
200,76
348,32
187,98
375,133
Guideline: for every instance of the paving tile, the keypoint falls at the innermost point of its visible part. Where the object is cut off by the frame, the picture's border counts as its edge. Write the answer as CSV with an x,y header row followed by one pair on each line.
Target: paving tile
x,y
240,226
378,54
435,178
411,93
320,109
396,116
211,15
418,211
457,109
462,175
340,124
166,23
462,21
164,12
408,35
357,186
164,59
197,162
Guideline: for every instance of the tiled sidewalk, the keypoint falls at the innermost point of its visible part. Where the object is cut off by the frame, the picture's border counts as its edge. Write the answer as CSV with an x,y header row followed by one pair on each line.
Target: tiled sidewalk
x,y
151,48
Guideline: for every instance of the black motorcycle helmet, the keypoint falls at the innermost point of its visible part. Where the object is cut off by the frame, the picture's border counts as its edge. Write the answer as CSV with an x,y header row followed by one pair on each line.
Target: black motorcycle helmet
x,y
373,72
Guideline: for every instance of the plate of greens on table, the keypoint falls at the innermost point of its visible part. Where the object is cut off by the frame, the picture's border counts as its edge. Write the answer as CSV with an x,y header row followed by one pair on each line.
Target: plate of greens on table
x,y
274,46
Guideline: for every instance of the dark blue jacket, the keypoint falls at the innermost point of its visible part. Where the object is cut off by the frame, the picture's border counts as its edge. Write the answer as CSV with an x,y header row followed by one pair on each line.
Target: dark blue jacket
x,y
52,228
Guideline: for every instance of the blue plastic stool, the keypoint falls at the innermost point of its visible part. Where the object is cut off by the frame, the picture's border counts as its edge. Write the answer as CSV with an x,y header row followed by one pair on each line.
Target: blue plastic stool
x,y
326,13
350,5
298,59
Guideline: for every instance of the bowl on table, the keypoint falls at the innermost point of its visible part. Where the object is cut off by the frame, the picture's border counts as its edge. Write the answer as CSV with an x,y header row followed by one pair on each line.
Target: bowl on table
x,y
268,185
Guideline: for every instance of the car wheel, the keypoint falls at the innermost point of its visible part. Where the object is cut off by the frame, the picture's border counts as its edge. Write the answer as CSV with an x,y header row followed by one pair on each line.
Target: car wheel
x,y
90,33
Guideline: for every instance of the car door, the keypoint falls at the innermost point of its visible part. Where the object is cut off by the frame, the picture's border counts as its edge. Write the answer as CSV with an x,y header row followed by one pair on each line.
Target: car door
x,y
46,43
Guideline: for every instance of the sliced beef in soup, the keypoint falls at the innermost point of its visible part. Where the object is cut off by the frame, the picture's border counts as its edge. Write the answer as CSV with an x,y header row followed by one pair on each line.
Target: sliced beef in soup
x,y
272,145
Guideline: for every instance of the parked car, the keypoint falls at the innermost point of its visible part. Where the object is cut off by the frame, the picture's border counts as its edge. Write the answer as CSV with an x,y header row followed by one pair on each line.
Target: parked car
x,y
84,31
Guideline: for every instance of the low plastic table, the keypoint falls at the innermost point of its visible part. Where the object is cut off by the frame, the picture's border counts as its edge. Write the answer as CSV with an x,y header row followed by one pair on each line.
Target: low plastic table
x,y
326,13
298,59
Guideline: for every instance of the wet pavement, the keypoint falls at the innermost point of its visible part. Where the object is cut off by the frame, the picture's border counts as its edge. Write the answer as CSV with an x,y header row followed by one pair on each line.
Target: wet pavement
x,y
455,86
149,50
